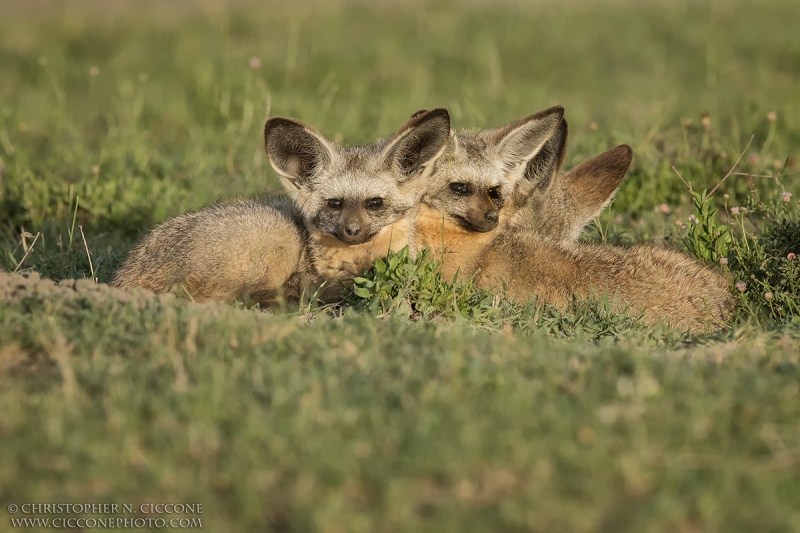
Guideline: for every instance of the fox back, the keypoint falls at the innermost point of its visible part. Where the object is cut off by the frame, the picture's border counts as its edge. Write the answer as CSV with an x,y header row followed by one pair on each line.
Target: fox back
x,y
358,202
251,249
664,285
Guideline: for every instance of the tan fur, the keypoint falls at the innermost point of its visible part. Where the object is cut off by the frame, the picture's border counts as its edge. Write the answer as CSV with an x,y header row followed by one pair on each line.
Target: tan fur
x,y
455,247
250,249
665,285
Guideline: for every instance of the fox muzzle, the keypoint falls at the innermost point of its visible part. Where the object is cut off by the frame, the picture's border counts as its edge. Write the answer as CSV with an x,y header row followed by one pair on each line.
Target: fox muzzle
x,y
353,229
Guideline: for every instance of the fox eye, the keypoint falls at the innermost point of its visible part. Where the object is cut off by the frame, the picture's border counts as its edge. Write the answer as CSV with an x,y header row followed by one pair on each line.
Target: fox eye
x,y
494,193
374,203
460,188
335,203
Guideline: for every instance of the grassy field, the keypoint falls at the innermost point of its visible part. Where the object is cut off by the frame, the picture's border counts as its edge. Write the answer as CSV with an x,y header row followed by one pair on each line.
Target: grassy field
x,y
480,416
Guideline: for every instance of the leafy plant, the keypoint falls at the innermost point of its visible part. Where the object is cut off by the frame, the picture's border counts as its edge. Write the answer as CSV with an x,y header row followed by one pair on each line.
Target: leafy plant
x,y
763,257
707,239
410,287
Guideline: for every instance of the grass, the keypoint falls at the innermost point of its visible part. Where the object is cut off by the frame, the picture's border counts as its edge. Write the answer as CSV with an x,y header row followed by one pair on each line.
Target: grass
x,y
418,404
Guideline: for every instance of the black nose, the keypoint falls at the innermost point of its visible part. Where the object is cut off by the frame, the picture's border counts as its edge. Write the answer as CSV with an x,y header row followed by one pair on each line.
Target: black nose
x,y
353,229
491,216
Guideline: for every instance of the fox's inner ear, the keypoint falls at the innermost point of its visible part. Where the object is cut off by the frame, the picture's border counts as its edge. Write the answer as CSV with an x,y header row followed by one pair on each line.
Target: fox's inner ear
x,y
547,162
518,142
419,143
295,150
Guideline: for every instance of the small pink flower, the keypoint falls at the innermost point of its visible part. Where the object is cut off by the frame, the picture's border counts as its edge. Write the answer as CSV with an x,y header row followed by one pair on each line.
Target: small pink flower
x,y
741,286
664,208
723,261
255,63
753,159
734,210
790,256
787,196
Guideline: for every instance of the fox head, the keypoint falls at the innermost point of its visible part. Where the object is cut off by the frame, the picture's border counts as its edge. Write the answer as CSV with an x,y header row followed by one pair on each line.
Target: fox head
x,y
491,174
352,193
575,198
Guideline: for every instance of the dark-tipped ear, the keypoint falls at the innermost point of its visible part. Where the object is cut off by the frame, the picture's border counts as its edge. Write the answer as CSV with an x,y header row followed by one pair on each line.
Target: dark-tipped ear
x,y
419,143
591,185
296,150
518,142
547,162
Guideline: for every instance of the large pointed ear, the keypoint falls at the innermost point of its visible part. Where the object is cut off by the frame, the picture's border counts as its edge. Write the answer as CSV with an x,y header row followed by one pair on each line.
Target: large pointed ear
x,y
547,162
296,150
518,142
415,148
591,185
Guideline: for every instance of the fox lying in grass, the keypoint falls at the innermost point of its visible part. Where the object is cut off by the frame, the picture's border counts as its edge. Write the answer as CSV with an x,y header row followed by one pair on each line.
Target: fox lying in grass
x,y
522,234
349,206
